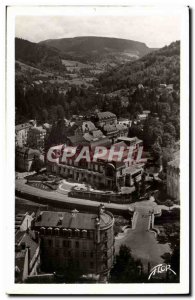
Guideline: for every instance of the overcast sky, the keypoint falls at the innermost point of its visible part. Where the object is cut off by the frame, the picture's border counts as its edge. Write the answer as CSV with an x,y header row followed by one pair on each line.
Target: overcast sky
x,y
155,31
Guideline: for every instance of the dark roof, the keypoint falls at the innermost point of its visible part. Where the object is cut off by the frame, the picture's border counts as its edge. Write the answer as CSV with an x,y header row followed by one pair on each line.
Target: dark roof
x,y
121,127
72,220
95,135
24,237
101,142
22,126
19,235
76,140
30,153
88,125
110,128
105,115
38,129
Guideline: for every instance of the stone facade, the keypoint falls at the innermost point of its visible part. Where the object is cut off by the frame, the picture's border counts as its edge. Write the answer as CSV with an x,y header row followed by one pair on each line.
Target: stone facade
x,y
21,133
36,137
24,158
83,239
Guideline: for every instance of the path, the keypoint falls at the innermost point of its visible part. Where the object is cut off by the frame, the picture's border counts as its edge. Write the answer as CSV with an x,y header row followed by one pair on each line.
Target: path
x,y
55,198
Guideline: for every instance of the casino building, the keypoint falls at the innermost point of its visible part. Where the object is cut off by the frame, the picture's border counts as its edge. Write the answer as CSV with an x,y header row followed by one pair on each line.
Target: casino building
x,y
103,173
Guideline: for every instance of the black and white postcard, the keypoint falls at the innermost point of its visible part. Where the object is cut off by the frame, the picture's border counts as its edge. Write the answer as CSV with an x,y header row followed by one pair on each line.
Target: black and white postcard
x,y
98,143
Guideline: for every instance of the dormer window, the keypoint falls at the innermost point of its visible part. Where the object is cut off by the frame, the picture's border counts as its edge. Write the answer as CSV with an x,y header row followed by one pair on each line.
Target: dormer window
x,y
49,230
77,231
65,232
42,230
69,233
84,233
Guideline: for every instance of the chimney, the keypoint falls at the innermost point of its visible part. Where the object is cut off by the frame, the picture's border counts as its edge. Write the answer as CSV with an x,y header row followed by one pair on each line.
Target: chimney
x,y
101,209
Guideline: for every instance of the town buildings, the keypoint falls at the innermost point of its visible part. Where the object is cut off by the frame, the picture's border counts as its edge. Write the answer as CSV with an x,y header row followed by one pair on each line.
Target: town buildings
x,y
76,240
23,221
108,173
24,158
36,137
100,119
108,124
26,255
125,121
21,132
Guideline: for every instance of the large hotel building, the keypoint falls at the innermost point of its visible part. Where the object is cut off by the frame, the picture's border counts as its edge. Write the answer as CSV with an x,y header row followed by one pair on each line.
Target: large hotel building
x,y
83,239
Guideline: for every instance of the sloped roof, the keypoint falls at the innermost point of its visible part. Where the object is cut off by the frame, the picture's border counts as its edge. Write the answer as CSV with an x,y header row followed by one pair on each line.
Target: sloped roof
x,y
121,127
110,128
26,238
22,126
72,220
101,142
96,134
76,139
38,129
30,153
105,115
88,125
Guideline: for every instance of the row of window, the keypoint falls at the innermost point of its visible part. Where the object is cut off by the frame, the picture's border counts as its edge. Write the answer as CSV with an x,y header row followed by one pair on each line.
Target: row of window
x,y
68,233
89,166
68,244
65,243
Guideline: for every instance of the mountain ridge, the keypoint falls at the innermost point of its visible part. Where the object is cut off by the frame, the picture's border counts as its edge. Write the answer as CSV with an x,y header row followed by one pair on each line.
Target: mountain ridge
x,y
93,46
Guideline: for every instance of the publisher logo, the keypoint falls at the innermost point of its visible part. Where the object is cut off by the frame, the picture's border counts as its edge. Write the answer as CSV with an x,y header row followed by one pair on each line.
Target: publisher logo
x,y
159,269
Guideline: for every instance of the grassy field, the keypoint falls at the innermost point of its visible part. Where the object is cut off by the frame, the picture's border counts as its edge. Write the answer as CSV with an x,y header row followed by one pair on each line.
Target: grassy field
x,y
72,65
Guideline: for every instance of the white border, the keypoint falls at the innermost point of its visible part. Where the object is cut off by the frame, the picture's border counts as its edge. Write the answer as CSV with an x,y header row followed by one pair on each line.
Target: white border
x,y
121,289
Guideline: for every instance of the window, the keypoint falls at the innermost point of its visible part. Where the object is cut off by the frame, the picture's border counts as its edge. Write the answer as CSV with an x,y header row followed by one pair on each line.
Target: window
x,y
66,244
77,244
50,244
84,254
69,232
69,253
84,233
91,265
77,231
57,243
91,254
84,245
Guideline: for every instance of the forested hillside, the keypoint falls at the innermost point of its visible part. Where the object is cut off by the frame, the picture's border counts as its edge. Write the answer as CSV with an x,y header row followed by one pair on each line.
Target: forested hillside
x,y
160,66
37,55
96,48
